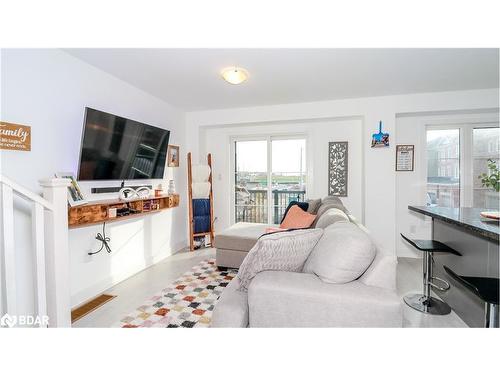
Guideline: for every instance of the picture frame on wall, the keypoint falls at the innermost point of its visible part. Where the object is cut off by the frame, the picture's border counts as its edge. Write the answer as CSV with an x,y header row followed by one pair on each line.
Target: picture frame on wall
x,y
405,158
75,195
338,168
173,156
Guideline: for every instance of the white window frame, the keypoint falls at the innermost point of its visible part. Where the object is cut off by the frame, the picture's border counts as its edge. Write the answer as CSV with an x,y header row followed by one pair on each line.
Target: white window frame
x,y
268,138
466,130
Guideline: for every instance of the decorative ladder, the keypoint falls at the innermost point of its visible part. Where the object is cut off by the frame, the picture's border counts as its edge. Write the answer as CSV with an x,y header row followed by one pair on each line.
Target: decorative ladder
x,y
49,216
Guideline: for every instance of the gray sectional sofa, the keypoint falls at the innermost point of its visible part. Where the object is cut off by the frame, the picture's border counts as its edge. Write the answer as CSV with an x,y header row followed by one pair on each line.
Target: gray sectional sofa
x,y
302,299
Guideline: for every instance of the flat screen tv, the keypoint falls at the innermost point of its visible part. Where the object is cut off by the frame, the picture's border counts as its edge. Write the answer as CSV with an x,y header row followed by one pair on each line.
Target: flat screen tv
x,y
116,148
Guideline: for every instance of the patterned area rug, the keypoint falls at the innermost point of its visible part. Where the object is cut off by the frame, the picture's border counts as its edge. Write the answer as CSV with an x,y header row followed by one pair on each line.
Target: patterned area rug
x,y
187,303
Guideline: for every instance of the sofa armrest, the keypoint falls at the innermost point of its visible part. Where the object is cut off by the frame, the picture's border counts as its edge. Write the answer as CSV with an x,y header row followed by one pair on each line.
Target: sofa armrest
x,y
290,299
231,310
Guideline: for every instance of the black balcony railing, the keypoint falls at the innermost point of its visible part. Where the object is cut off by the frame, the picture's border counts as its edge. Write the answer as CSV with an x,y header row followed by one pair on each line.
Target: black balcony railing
x,y
252,206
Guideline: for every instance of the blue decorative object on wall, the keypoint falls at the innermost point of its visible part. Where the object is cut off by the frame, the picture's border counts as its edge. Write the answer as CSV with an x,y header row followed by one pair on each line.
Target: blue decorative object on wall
x,y
380,139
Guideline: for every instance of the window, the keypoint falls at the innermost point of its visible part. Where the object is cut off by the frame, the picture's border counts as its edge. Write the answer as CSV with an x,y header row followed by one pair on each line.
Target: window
x,y
456,156
443,168
269,174
485,146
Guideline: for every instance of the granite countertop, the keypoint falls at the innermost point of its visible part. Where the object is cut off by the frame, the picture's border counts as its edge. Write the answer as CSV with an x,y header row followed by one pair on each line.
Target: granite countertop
x,y
465,217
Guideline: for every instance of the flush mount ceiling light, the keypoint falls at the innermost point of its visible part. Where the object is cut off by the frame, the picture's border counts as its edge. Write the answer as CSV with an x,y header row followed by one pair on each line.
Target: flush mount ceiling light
x,y
234,75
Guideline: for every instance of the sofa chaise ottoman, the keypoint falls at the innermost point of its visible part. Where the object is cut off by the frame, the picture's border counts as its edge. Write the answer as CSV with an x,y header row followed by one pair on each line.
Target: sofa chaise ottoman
x,y
234,243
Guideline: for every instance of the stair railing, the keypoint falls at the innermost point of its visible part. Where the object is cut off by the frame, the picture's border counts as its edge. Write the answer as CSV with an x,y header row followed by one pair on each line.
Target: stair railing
x,y
49,237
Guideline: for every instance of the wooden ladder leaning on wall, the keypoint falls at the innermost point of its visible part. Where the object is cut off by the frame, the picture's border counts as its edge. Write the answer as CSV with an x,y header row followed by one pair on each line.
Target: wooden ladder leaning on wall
x,y
193,235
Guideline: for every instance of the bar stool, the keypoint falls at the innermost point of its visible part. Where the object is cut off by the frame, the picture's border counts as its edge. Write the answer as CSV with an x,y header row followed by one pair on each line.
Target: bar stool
x,y
485,288
425,302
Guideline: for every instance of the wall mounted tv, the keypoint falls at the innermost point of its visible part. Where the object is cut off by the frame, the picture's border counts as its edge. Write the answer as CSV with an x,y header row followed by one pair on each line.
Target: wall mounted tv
x,y
116,148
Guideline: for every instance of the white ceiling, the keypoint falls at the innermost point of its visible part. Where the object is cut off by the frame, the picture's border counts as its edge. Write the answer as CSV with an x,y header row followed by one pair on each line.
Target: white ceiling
x,y
189,78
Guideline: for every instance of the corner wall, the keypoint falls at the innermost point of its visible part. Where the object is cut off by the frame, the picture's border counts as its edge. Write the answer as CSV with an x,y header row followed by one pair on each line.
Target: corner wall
x,y
48,90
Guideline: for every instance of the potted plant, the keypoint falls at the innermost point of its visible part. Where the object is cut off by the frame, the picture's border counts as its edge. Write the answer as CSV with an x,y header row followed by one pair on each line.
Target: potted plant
x,y
491,180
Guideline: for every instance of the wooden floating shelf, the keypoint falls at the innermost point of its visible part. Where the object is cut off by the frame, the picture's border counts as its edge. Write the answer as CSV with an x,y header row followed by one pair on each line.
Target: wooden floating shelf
x,y
98,212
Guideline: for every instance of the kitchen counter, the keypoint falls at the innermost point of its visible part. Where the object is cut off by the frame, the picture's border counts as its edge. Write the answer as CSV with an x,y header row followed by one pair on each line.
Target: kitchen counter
x,y
465,217
476,239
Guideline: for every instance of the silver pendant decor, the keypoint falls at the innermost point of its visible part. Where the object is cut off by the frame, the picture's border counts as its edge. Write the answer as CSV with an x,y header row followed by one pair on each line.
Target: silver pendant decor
x,y
337,169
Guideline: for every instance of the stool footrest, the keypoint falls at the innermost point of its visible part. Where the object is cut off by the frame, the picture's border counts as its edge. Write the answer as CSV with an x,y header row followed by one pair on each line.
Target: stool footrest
x,y
440,288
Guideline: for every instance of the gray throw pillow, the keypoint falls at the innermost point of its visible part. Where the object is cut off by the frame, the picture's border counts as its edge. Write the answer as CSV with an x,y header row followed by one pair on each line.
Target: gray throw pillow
x,y
331,199
343,254
313,206
331,216
282,251
325,207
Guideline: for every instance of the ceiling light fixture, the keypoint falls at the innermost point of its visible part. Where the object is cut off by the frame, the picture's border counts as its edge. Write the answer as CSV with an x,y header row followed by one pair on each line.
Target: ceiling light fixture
x,y
234,75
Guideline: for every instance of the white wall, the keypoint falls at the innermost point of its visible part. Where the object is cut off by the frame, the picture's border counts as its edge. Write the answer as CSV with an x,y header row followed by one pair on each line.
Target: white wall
x,y
318,134
48,90
378,164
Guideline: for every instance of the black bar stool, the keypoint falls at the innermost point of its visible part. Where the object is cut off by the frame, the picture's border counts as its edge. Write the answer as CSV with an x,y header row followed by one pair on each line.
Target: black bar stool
x,y
424,302
485,288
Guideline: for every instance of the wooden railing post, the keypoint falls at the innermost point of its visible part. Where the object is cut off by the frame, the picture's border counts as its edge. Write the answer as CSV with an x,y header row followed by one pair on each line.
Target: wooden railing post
x,y
55,190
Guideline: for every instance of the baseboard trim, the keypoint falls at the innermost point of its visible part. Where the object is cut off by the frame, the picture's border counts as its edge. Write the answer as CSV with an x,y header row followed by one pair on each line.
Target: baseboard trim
x,y
89,306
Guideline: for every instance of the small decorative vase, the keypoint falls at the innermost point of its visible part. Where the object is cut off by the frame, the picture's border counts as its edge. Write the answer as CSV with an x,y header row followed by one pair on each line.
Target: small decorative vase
x,y
171,187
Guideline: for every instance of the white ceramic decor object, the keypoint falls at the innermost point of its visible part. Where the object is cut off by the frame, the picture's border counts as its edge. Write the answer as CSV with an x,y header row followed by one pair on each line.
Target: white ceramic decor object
x,y
171,187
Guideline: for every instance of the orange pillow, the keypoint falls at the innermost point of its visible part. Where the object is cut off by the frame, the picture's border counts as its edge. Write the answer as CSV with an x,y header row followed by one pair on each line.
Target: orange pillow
x,y
297,218
274,230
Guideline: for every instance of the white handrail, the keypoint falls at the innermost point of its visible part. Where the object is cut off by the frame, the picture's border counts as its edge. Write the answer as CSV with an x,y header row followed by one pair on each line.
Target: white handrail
x,y
21,190
50,249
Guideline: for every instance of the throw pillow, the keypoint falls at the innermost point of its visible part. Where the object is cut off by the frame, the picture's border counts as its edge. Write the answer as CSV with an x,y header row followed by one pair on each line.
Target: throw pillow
x,y
331,199
330,217
285,251
343,254
326,206
313,206
297,218
303,205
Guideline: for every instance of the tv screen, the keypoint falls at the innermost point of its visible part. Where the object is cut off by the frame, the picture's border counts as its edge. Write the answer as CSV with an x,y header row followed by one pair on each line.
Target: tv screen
x,y
116,148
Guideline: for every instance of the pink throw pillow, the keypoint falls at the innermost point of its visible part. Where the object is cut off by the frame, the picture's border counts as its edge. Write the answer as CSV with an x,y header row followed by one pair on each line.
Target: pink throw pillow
x,y
274,229
297,218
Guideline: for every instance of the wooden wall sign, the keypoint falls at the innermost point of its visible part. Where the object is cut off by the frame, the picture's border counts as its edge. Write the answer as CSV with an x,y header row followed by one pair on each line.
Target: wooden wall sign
x,y
15,137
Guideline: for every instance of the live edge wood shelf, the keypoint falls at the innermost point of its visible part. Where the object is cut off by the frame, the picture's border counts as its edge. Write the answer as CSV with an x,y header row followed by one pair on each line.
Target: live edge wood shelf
x,y
98,211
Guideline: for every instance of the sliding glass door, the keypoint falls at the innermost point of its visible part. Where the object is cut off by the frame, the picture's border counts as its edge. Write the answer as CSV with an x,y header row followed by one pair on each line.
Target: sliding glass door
x,y
251,181
269,174
288,175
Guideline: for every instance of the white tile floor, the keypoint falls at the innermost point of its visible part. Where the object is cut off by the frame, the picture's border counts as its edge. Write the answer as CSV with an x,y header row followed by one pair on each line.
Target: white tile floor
x,y
132,292
409,279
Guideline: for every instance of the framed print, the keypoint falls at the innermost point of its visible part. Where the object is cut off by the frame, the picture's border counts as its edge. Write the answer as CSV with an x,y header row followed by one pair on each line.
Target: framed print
x,y
75,195
404,158
173,156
